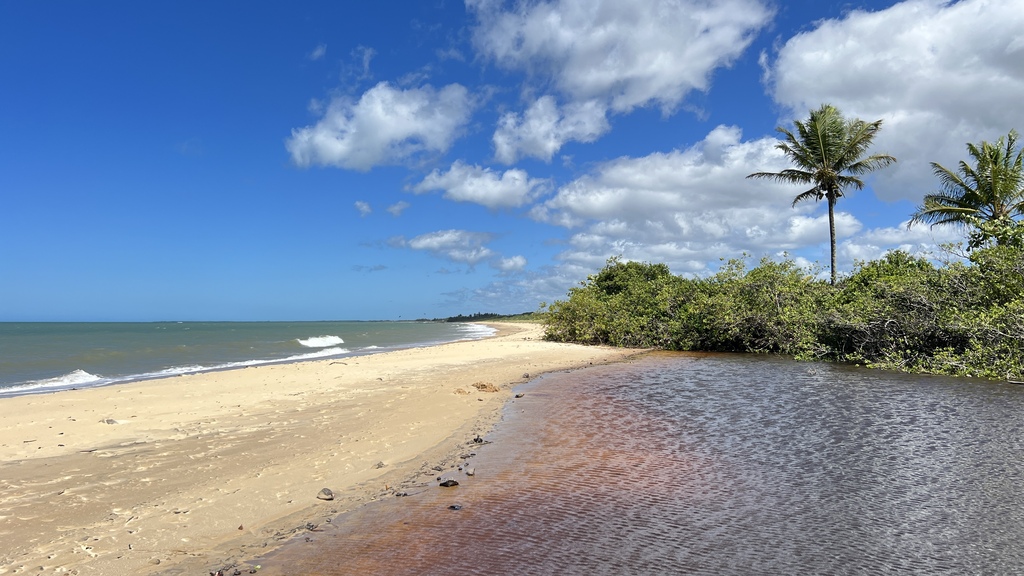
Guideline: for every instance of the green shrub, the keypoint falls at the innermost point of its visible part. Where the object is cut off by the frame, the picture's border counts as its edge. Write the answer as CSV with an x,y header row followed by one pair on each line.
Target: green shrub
x,y
899,312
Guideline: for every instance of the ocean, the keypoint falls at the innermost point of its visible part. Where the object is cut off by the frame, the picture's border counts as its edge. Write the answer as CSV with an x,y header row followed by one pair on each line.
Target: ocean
x,y
38,357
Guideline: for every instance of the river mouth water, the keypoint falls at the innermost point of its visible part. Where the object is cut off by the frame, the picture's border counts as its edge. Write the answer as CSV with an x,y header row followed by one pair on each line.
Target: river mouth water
x,y
713,464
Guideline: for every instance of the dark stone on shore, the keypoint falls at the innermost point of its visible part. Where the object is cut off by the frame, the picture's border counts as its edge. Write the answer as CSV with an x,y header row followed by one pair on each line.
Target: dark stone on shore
x,y
526,375
448,483
325,494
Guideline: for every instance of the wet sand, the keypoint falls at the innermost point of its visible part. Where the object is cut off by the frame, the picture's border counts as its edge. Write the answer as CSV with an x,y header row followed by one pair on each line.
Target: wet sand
x,y
189,474
560,484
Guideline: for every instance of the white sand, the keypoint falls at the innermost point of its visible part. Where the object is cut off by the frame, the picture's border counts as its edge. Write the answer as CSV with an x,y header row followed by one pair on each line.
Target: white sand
x,y
185,473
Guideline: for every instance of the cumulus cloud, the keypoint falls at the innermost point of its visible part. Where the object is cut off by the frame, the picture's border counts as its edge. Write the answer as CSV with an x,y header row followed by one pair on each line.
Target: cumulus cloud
x,y
387,125
456,245
464,183
627,52
545,127
363,207
688,207
606,55
940,74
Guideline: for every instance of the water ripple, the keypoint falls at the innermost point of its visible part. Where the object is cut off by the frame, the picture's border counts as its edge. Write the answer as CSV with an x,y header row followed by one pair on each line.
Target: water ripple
x,y
719,464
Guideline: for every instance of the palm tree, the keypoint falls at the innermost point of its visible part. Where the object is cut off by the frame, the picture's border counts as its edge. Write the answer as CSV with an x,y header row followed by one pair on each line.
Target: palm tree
x,y
987,197
828,153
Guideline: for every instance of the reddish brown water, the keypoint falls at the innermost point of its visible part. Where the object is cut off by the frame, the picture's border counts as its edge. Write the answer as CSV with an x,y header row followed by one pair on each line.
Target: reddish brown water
x,y
711,465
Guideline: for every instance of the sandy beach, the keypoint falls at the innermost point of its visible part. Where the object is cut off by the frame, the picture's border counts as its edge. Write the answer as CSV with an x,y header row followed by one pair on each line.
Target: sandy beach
x,y
188,474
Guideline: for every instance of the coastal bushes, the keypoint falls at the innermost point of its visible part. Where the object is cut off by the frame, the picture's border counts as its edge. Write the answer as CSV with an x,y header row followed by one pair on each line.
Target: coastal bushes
x,y
900,312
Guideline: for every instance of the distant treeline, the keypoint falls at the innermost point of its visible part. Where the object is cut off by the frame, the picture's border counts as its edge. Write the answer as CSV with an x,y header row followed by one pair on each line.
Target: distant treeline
x,y
484,316
963,318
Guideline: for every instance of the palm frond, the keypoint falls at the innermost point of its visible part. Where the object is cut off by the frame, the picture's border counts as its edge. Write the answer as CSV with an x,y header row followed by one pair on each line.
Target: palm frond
x,y
812,194
989,188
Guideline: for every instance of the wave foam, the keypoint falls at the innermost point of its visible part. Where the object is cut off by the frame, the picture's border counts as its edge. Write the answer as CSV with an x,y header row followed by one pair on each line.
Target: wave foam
x,y
476,331
318,354
320,341
69,380
81,378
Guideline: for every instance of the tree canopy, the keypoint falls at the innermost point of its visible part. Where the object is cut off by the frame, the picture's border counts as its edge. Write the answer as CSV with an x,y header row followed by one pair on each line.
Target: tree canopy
x,y
828,153
985,196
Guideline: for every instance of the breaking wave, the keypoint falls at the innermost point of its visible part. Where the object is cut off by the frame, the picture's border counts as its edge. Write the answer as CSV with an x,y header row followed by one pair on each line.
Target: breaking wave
x,y
320,341
81,378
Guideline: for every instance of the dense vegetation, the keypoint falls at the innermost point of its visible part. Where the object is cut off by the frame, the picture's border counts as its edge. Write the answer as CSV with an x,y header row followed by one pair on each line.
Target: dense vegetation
x,y
899,312
485,316
964,318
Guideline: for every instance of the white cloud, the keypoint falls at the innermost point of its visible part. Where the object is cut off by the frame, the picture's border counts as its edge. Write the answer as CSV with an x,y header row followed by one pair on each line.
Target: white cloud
x,y
456,245
606,55
627,52
544,128
386,126
464,183
463,247
874,243
363,207
940,74
397,208
689,207
513,264
318,52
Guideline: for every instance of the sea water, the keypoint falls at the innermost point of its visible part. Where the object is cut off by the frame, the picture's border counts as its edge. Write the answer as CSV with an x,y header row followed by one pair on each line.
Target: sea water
x,y
46,356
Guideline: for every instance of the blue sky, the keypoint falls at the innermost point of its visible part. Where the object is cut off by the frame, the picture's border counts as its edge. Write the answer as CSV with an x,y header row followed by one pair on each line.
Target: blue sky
x,y
384,160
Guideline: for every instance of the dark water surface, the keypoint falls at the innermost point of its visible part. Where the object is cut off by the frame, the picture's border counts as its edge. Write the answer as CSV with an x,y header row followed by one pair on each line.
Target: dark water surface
x,y
717,464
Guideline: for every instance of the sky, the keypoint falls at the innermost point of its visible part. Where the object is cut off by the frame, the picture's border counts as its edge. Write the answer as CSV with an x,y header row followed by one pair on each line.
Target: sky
x,y
320,160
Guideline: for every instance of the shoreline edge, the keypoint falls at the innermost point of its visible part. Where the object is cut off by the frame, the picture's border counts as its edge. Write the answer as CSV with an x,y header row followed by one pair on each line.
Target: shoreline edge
x,y
179,474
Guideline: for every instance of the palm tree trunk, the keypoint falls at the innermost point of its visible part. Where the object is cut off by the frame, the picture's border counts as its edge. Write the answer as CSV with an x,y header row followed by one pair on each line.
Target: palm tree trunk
x,y
832,233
